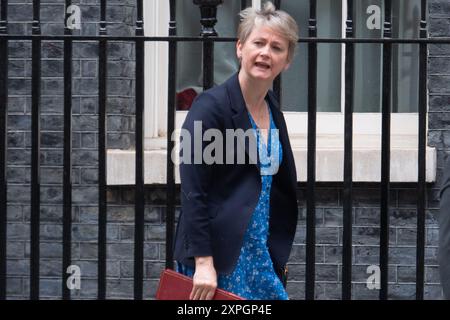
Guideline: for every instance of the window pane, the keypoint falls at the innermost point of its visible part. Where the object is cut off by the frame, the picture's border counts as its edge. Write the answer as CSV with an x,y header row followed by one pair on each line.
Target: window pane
x,y
329,25
295,79
294,90
405,58
225,61
368,58
189,54
405,77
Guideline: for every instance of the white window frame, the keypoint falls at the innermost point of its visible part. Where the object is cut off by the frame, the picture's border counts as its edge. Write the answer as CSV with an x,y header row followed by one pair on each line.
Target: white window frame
x,y
156,17
332,123
327,122
330,126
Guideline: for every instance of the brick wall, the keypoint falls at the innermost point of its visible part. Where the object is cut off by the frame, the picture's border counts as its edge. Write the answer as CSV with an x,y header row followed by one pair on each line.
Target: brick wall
x,y
121,15
120,123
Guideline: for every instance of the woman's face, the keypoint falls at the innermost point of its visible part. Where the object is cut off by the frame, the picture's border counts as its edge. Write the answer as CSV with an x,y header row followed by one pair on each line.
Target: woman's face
x,y
264,54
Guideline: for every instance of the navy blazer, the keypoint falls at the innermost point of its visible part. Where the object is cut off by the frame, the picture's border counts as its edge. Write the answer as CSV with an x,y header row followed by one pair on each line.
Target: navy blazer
x,y
217,200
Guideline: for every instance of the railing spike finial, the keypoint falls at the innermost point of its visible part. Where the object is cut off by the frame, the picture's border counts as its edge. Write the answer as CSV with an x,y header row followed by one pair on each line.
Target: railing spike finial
x,y
349,20
423,20
140,18
4,17
208,11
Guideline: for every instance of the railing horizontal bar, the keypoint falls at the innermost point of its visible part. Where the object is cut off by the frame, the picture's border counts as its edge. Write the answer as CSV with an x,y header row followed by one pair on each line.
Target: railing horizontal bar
x,y
444,40
300,185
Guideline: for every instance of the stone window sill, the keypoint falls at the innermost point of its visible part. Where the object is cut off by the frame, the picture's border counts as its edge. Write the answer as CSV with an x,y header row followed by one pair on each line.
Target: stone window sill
x,y
329,160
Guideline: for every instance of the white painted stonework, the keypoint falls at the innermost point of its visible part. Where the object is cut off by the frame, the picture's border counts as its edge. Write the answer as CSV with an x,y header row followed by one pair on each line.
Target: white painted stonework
x,y
329,160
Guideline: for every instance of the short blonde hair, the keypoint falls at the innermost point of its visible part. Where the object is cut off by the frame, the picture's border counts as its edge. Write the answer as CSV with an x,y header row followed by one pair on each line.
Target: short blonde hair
x,y
268,16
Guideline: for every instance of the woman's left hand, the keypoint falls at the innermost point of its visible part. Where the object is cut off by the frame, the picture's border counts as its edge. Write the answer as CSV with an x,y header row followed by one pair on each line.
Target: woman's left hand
x,y
205,279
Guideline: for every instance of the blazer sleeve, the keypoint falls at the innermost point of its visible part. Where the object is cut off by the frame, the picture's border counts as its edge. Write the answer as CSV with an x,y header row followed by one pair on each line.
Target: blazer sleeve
x,y
196,177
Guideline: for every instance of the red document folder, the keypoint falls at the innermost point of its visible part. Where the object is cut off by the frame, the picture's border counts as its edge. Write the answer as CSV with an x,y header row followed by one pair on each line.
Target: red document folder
x,y
175,286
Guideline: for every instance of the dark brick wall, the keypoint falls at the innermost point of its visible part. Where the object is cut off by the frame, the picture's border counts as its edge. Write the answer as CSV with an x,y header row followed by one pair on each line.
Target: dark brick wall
x,y
366,232
121,16
120,123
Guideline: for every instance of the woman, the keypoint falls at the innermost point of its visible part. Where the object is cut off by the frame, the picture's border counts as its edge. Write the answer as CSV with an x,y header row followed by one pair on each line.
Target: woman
x,y
239,218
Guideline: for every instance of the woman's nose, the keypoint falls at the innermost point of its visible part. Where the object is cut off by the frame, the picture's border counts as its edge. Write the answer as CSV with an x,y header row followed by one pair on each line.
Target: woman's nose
x,y
265,51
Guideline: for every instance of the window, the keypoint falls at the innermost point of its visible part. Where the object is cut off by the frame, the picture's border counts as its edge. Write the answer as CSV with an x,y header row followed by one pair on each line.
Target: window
x,y
331,16
189,54
156,20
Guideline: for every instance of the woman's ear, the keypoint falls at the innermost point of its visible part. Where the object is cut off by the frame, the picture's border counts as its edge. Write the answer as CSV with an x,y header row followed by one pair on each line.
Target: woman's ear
x,y
287,66
239,49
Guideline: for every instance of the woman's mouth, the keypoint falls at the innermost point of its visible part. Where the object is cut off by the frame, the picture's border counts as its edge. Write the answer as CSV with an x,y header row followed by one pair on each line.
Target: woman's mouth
x,y
262,65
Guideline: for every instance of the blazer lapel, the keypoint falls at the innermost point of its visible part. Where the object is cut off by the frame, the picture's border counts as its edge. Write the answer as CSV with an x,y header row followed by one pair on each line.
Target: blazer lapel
x,y
288,158
240,117
241,121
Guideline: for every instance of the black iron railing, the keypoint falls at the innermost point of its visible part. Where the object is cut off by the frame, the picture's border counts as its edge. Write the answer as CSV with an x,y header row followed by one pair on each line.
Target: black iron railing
x,y
67,166
102,74
385,152
207,38
35,151
3,142
311,165
348,167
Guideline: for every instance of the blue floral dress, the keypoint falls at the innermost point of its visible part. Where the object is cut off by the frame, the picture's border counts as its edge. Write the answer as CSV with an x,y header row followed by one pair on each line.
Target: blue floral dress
x,y
254,277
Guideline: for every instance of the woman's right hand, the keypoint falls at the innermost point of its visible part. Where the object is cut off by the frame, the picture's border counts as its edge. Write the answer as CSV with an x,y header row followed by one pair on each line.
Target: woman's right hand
x,y
205,279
